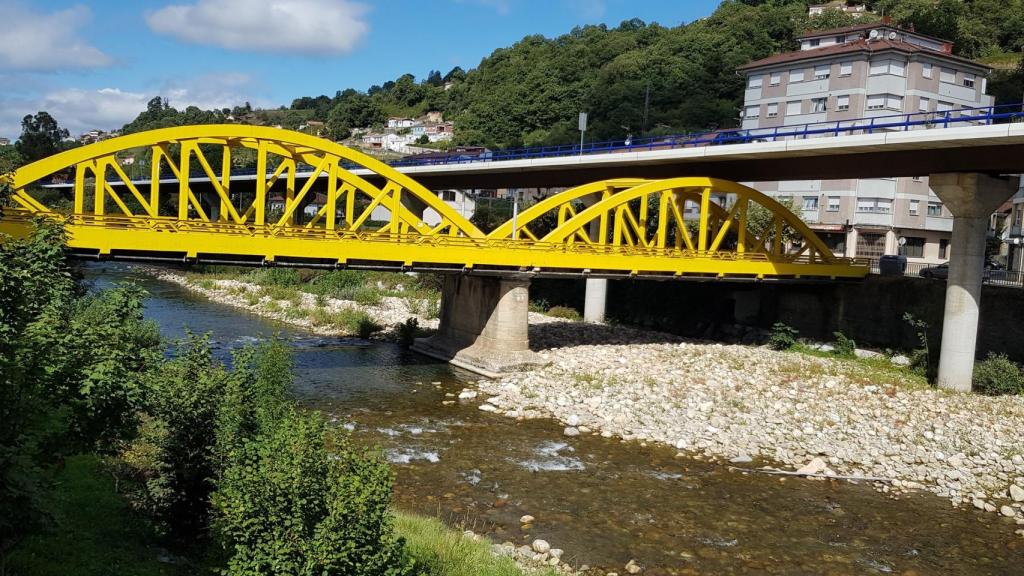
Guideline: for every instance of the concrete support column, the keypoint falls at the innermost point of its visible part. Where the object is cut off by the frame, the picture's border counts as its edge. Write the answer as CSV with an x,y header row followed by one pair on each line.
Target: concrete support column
x,y
595,300
972,198
483,325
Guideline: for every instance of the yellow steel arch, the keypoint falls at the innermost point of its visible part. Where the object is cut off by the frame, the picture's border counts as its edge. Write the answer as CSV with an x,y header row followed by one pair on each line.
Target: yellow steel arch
x,y
182,148
676,227
714,223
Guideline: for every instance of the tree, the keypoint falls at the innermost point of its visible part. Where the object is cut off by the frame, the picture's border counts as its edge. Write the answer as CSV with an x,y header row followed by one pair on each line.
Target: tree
x,y
456,74
41,136
434,78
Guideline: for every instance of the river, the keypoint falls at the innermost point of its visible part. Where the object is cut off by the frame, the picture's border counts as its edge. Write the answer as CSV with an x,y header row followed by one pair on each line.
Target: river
x,y
603,501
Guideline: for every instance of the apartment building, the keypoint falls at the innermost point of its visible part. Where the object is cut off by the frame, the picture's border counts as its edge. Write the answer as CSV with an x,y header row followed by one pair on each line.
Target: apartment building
x,y
1015,234
847,77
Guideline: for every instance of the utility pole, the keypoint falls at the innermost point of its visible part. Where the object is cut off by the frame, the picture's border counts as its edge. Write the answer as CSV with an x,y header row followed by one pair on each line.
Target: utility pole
x,y
515,214
583,129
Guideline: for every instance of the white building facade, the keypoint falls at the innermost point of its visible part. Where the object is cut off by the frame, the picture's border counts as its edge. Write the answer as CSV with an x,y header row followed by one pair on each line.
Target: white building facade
x,y
870,71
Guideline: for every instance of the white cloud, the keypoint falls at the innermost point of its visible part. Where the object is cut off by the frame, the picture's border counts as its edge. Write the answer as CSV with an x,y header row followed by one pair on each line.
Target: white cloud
x,y
313,27
588,9
81,110
46,41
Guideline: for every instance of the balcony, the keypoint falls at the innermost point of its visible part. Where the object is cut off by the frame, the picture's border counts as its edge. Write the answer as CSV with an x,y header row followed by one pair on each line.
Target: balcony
x,y
873,218
938,223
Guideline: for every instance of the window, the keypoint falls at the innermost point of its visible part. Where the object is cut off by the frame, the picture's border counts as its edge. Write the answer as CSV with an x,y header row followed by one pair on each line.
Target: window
x,y
969,80
926,70
947,75
811,203
755,81
840,39
822,71
935,208
870,245
796,75
915,178
941,106
889,101
448,195
752,112
1018,215
923,104
773,111
775,79
792,108
818,104
833,204
842,103
845,68
914,206
874,205
943,247
814,42
894,67
913,247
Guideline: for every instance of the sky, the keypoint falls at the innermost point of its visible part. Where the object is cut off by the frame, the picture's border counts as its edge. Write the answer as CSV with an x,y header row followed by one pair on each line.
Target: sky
x,y
96,64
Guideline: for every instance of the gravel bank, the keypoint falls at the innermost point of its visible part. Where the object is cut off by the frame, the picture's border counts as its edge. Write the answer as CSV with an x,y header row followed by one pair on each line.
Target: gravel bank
x,y
753,404
391,310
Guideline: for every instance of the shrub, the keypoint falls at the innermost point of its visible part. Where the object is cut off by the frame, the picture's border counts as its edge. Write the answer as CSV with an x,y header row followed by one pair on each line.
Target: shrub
x,y
782,337
844,346
276,277
366,327
563,312
539,306
921,357
997,375
287,505
407,332
335,282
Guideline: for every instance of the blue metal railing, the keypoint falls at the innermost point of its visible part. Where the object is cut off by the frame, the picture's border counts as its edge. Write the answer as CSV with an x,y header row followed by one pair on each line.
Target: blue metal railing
x,y
894,122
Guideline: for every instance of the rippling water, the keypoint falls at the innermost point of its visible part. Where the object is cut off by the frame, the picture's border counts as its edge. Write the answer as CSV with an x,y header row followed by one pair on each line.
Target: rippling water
x,y
602,500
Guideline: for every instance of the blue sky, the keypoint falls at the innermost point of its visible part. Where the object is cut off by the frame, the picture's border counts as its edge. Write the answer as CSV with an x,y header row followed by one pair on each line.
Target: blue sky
x,y
95,64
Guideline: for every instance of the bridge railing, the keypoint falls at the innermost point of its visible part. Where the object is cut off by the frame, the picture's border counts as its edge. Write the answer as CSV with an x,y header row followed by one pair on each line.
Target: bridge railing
x,y
983,115
1008,278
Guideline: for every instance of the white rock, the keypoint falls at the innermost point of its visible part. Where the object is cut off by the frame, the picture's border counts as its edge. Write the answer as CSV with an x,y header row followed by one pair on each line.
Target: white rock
x,y
467,394
741,459
570,431
900,360
488,407
681,444
573,420
556,552
1007,511
1016,493
541,546
526,519
633,568
815,466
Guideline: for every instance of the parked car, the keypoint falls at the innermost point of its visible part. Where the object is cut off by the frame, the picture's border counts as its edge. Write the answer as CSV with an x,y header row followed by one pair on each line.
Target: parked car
x,y
941,272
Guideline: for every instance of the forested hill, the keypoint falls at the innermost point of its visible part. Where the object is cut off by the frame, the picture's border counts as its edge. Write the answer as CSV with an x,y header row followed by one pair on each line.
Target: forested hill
x,y
531,92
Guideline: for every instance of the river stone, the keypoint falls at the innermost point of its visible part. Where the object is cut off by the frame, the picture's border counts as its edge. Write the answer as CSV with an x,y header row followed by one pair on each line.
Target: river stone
x,y
815,466
467,394
526,519
1016,493
1017,460
570,431
541,546
741,459
573,420
900,360
633,568
1007,511
488,407
556,552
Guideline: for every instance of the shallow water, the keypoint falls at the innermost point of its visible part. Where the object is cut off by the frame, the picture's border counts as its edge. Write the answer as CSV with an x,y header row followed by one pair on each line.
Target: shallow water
x,y
601,500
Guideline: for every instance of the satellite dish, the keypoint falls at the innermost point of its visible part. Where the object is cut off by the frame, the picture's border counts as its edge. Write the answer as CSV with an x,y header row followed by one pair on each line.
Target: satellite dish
x,y
892,35
873,35
903,241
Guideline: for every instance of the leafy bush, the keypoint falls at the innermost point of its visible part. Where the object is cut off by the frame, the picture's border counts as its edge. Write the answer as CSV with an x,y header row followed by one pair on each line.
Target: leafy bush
x,y
782,337
539,306
845,347
366,327
276,277
997,375
921,357
563,312
288,505
407,332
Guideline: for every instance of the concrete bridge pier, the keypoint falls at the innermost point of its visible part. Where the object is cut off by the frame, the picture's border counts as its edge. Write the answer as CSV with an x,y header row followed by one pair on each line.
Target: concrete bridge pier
x,y
971,197
595,300
483,325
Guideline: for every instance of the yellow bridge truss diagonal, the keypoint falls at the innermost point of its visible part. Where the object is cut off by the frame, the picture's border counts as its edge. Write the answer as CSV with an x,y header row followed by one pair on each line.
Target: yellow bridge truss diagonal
x,y
195,208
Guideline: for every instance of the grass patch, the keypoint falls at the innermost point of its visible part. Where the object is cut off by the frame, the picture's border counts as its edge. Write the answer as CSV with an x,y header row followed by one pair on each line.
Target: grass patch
x,y
445,552
564,312
879,370
348,320
95,533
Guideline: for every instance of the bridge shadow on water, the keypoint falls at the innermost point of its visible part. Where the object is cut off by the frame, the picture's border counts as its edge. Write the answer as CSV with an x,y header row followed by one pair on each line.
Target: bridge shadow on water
x,y
564,334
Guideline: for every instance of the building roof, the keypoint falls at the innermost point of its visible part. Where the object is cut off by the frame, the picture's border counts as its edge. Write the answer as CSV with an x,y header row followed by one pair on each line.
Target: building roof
x,y
885,22
858,46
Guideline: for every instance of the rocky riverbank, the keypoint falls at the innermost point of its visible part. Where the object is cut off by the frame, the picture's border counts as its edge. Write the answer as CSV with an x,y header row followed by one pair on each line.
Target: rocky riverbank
x,y
752,406
250,297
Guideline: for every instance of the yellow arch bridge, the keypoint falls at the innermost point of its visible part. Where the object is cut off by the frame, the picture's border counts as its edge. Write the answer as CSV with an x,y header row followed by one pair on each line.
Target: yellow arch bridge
x,y
674,228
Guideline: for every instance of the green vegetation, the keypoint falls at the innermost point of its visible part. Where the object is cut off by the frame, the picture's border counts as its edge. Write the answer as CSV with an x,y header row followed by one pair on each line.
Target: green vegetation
x,y
111,453
564,312
844,346
782,337
921,358
997,375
